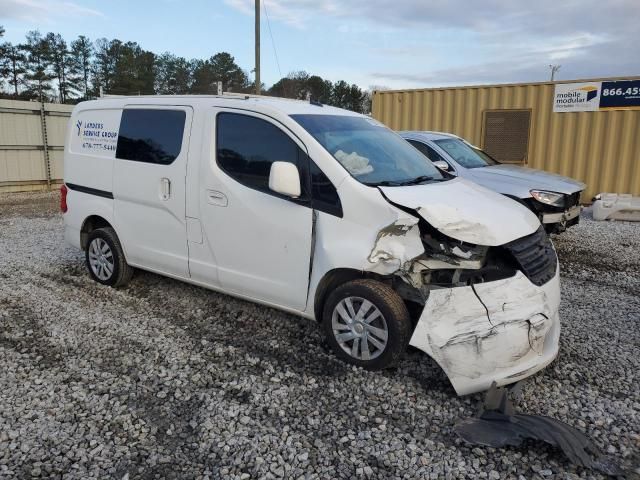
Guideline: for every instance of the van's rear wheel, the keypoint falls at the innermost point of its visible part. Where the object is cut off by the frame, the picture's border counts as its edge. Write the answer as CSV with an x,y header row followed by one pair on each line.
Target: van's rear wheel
x,y
105,258
367,324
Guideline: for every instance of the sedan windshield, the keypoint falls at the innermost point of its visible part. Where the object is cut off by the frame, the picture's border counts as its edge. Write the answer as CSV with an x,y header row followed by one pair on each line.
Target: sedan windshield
x,y
369,151
466,155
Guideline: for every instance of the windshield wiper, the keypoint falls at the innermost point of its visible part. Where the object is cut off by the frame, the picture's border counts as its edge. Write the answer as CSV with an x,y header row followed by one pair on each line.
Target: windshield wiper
x,y
418,180
384,183
403,183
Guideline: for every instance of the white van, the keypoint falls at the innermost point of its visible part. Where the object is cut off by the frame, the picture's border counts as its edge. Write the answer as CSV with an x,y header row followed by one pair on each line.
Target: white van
x,y
320,212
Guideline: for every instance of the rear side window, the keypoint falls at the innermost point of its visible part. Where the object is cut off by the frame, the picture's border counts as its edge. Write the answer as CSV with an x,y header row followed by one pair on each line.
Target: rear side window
x,y
247,146
151,136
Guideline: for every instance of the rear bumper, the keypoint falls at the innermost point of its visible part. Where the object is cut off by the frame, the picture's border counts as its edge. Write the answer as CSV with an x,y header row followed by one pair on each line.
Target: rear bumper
x,y
511,334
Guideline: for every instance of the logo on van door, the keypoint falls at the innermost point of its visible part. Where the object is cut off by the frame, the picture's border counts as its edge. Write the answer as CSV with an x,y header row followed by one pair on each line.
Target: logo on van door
x,y
79,126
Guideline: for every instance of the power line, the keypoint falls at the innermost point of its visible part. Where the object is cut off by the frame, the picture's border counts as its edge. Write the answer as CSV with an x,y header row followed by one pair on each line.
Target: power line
x,y
273,43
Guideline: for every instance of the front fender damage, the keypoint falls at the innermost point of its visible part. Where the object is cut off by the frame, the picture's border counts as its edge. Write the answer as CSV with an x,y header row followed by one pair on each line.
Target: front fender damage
x,y
395,247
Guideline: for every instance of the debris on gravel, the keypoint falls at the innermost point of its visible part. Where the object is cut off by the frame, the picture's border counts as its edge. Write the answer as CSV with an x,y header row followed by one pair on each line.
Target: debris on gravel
x,y
166,380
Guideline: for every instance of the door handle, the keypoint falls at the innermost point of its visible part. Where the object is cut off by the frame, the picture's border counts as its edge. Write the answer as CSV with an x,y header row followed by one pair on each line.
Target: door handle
x,y
165,189
215,197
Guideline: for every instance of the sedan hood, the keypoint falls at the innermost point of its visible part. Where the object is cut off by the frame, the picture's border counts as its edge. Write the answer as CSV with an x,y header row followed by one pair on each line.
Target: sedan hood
x,y
529,178
466,211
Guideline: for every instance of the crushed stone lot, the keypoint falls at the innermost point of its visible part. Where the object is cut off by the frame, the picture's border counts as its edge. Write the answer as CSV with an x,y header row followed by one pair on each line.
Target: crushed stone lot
x,y
162,379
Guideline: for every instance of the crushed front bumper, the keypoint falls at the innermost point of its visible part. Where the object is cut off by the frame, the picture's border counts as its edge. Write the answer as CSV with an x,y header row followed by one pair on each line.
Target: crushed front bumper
x,y
562,217
500,331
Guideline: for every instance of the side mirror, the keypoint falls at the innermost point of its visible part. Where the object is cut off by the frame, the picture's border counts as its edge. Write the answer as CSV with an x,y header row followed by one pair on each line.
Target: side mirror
x,y
442,165
285,179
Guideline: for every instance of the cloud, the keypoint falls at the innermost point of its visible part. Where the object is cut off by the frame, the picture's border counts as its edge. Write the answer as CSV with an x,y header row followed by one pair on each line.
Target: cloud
x,y
478,41
487,15
277,10
577,58
42,11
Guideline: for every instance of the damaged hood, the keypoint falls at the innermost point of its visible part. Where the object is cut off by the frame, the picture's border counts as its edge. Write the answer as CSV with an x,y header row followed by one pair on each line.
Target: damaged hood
x,y
466,211
530,178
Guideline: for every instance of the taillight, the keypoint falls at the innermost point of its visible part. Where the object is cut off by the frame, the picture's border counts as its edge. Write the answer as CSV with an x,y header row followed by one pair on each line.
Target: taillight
x,y
63,198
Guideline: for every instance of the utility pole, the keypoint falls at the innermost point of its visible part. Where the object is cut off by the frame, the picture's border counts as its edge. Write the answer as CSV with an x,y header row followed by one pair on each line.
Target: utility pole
x,y
554,69
257,76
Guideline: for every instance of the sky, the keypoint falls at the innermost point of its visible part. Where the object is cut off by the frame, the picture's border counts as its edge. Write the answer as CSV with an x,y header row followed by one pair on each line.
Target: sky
x,y
373,43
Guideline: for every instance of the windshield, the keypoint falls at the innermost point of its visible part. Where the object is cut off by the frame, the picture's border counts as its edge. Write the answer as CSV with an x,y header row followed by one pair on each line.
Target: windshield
x,y
371,153
466,155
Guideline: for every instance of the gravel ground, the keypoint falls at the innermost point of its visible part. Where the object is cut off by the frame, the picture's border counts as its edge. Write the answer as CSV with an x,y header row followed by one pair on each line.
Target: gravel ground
x,y
166,380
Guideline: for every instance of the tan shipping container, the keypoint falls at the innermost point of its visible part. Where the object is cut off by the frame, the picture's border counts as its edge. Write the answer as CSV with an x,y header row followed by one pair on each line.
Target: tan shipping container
x,y
600,148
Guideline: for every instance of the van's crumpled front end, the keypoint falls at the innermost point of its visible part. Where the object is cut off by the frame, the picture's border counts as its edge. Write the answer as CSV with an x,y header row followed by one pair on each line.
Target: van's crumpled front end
x,y
500,331
490,285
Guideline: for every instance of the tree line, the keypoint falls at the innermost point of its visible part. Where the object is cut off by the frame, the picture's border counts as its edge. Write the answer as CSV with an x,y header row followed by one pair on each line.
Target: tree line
x,y
46,66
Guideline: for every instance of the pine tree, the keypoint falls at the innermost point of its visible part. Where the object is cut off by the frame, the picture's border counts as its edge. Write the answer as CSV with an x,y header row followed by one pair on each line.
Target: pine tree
x,y
134,70
173,75
37,65
319,89
294,85
219,68
60,59
12,60
356,99
123,68
203,78
2,58
104,66
183,76
81,55
340,94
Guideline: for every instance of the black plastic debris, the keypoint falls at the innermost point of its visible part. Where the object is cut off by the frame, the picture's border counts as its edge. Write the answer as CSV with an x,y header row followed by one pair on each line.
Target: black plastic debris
x,y
497,425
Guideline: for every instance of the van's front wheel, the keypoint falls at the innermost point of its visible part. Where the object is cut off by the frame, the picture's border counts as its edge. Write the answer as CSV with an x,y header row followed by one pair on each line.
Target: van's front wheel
x,y
367,324
105,258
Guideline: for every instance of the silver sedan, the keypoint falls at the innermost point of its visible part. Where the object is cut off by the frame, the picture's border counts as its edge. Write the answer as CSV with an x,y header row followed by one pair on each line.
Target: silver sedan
x,y
554,198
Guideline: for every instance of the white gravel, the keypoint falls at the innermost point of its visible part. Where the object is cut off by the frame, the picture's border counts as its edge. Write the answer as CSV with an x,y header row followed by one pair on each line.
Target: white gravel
x,y
166,380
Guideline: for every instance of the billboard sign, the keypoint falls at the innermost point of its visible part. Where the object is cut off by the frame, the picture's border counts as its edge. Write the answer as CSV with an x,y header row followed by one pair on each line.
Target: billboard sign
x,y
624,94
577,97
595,96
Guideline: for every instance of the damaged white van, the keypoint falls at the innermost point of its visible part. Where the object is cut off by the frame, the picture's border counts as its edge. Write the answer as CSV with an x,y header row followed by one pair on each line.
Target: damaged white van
x,y
320,212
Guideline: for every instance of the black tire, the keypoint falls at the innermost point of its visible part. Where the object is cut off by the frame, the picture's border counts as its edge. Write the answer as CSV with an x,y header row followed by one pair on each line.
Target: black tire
x,y
121,272
391,307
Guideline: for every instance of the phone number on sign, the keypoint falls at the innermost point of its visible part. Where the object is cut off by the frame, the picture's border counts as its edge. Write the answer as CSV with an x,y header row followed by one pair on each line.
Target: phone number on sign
x,y
619,91
100,146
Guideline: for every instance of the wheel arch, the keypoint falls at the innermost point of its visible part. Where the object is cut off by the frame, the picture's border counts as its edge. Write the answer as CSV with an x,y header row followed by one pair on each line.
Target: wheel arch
x,y
90,224
333,279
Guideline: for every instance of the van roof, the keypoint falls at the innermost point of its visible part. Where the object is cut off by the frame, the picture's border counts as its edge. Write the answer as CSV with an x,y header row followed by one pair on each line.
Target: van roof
x,y
286,106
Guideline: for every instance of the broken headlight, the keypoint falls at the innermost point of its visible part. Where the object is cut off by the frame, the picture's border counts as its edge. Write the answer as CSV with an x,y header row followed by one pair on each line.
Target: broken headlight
x,y
450,262
448,249
550,198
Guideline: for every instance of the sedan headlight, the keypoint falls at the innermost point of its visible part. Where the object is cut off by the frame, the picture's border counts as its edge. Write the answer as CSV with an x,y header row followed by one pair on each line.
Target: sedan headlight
x,y
550,198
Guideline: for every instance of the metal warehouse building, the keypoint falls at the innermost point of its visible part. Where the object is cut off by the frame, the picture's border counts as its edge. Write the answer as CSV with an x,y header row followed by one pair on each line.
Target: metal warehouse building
x,y
585,129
